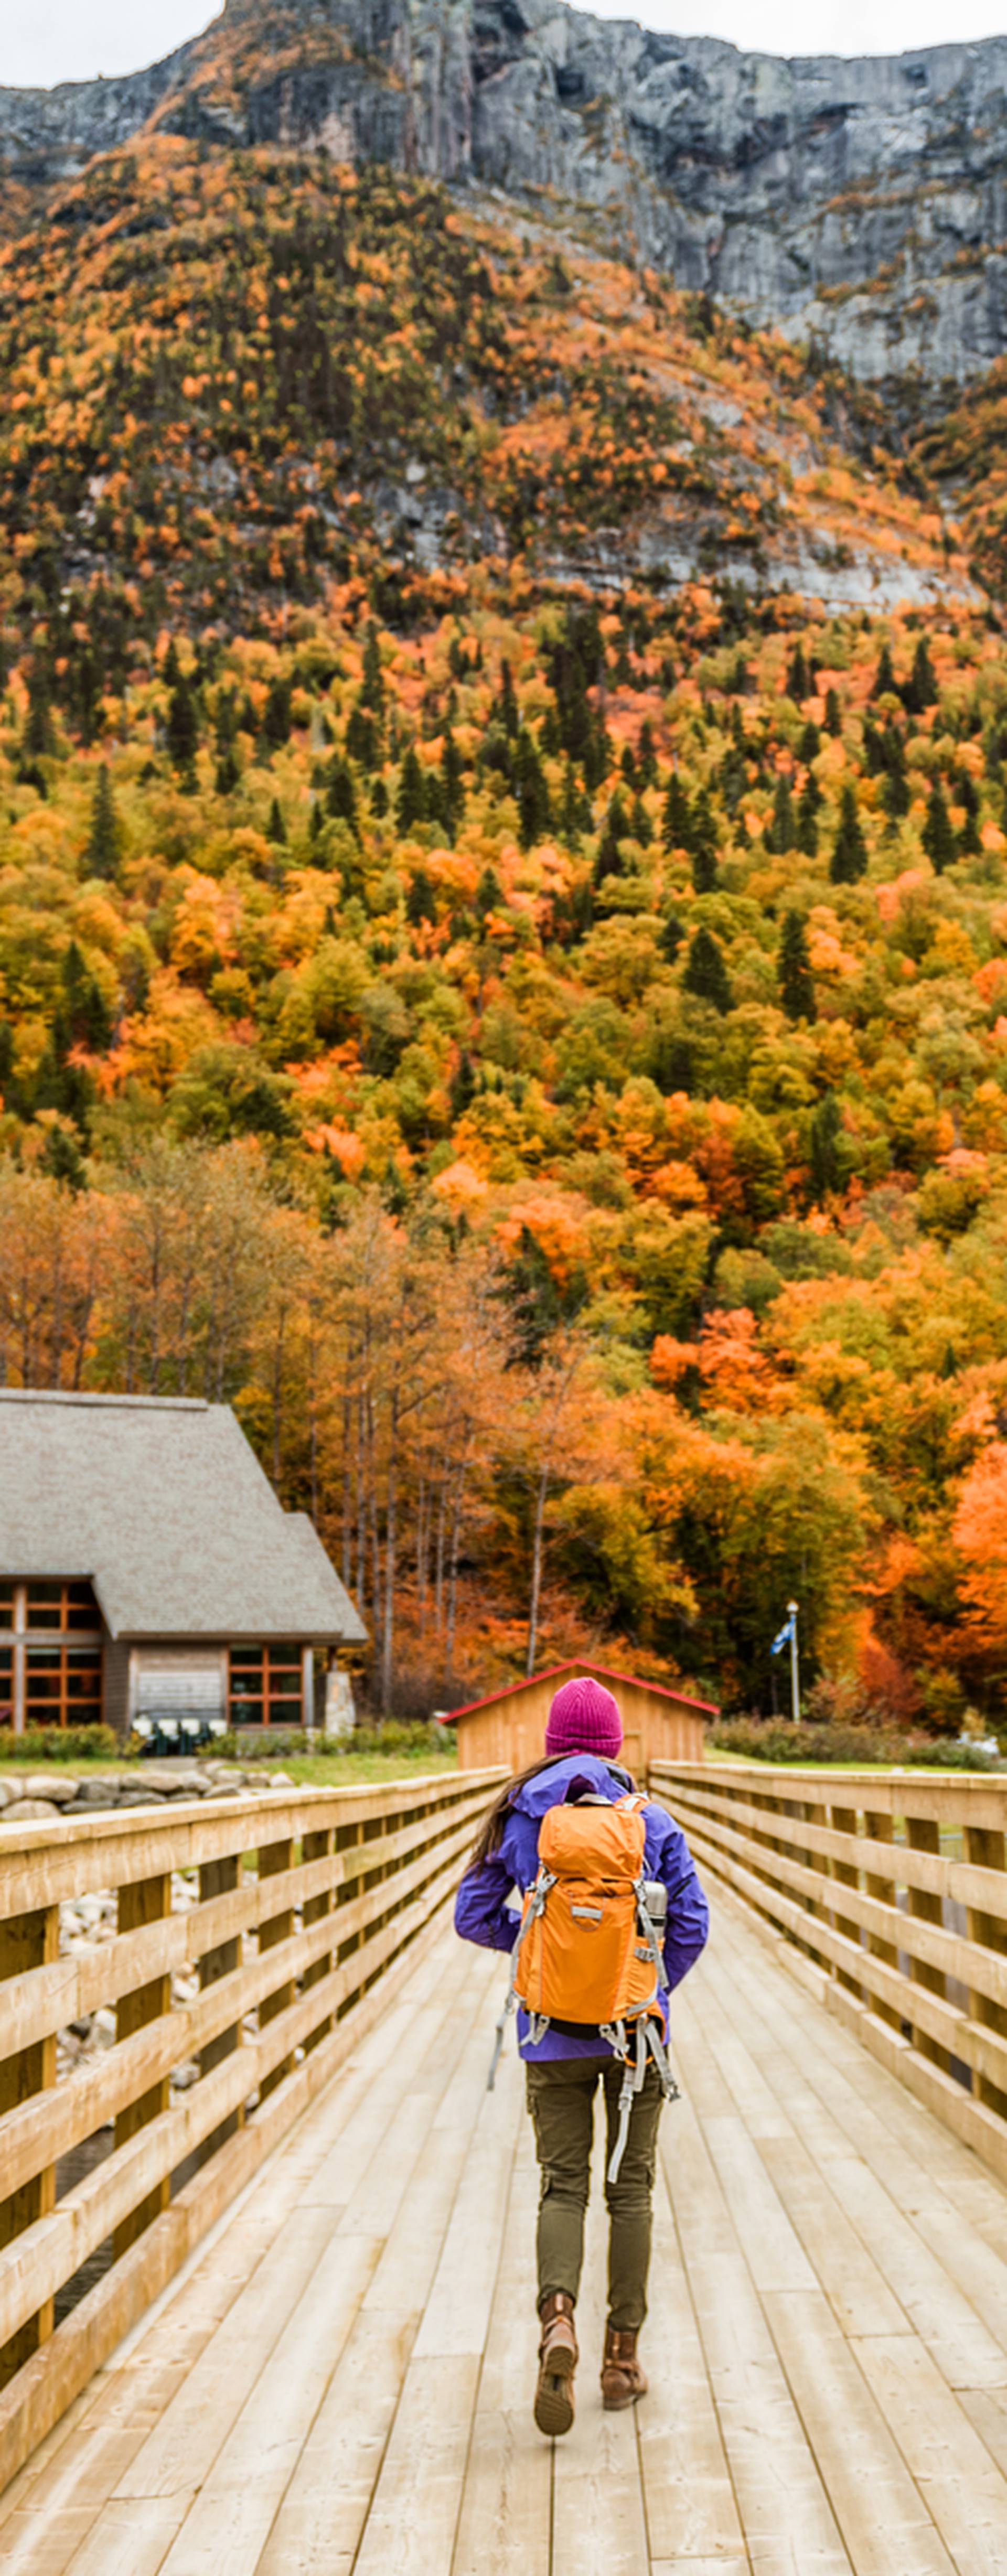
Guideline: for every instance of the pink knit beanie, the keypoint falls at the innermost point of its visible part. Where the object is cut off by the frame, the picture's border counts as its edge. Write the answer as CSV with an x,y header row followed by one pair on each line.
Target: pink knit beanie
x,y
584,1718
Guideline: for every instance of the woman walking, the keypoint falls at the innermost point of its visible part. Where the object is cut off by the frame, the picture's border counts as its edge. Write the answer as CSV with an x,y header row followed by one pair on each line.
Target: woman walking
x,y
565,2061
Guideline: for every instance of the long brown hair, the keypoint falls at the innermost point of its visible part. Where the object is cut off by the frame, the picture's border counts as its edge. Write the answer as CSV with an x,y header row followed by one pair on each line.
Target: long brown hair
x,y
491,1832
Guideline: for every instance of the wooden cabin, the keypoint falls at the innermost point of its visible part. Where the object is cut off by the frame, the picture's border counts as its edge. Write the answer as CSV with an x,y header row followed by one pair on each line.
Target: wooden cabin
x,y
149,1576
659,1725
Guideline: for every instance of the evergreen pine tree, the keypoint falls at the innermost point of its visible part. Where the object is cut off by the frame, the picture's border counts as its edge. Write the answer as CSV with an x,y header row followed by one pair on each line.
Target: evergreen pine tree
x,y
676,820
969,843
39,742
103,841
640,823
704,847
797,676
672,935
508,708
937,836
340,793
276,828
782,835
379,799
646,756
532,791
921,689
182,727
833,713
807,808
849,855
705,972
797,990
810,744
411,800
884,677
609,860
421,904
372,687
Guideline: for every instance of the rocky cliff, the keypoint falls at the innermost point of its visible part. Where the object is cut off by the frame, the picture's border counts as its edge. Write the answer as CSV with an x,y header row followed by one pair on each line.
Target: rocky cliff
x,y
862,204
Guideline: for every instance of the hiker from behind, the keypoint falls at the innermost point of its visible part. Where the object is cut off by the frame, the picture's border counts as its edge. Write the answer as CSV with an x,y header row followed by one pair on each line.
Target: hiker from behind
x,y
612,1917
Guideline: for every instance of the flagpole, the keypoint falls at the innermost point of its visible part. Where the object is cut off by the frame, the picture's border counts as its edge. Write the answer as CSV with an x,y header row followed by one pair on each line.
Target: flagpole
x,y
795,1695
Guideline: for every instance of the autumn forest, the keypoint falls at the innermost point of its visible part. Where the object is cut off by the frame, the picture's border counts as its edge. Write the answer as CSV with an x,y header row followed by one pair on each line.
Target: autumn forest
x,y
524,1023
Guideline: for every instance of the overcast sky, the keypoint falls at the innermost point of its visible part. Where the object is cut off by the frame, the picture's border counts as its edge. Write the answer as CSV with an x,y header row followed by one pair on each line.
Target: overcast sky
x,y
43,41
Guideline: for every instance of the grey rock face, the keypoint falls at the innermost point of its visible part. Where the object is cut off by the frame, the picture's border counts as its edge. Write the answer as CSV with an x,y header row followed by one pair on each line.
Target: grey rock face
x,y
863,203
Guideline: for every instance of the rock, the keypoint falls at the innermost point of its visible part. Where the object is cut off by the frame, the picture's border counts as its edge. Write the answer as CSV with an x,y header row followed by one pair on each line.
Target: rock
x,y
281,1780
96,1792
97,1804
59,1790
141,1798
31,1811
160,1775
856,202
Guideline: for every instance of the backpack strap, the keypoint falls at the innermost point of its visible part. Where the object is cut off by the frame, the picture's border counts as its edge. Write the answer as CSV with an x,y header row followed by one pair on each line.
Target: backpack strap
x,y
540,2021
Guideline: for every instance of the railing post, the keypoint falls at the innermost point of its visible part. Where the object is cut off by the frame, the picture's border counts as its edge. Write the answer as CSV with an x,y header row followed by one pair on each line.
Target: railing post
x,y
924,1835
984,1848
143,1900
274,1860
219,1878
843,1820
879,1829
27,1941
318,1847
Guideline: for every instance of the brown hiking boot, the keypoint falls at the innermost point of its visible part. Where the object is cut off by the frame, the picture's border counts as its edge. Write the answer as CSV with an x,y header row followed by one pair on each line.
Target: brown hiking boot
x,y
557,2361
622,2380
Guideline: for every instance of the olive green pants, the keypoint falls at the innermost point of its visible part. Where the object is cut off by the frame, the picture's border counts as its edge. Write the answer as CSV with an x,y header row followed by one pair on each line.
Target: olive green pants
x,y
561,2101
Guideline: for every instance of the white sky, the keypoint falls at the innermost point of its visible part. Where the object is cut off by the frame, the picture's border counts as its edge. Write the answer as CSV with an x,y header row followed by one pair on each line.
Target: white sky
x,y
44,41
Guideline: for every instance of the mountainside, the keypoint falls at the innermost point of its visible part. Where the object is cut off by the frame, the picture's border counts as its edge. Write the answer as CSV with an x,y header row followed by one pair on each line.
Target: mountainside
x,y
859,203
230,377
503,932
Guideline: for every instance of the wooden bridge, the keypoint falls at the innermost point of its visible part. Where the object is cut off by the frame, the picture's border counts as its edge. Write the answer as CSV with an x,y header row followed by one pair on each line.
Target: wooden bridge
x,y
330,2358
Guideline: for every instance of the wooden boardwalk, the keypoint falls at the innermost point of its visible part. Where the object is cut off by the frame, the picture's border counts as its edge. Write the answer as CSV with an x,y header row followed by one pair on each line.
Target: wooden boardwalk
x,y
339,2384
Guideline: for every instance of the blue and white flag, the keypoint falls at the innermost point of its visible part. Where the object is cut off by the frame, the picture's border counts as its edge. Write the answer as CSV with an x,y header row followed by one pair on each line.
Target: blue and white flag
x,y
785,1634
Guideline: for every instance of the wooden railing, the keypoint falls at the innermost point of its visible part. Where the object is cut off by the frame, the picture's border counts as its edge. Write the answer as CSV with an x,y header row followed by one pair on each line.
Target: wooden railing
x,y
890,1892
248,1950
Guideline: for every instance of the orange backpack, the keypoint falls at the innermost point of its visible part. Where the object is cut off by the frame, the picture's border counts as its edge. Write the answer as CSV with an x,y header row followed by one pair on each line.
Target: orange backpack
x,y
587,1950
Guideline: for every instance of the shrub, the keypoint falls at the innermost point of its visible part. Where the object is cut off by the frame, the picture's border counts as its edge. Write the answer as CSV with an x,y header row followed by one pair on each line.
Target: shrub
x,y
773,1740
64,1744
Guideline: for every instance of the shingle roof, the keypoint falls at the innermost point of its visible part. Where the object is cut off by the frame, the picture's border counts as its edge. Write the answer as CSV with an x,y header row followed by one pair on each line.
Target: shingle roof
x,y
163,1506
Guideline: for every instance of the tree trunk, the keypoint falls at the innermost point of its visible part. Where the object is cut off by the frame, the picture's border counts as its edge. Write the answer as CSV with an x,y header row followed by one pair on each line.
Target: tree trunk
x,y
391,1534
536,1568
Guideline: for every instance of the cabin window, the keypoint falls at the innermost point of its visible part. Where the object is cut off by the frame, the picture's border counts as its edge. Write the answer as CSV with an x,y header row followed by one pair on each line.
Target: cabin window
x,y
68,1607
6,1686
265,1685
62,1685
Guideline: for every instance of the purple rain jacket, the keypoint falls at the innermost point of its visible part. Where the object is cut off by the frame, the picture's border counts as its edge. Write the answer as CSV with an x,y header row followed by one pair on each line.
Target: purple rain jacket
x,y
482,1912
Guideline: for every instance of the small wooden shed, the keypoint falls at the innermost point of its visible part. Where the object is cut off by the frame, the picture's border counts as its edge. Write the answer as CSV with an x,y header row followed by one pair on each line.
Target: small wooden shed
x,y
659,1725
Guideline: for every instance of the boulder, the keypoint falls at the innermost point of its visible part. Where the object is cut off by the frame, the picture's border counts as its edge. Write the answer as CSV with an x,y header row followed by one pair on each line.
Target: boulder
x,y
58,1790
31,1811
141,1798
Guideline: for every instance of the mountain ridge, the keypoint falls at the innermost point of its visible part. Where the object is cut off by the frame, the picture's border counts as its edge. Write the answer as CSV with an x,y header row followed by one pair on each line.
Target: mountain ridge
x,y
859,203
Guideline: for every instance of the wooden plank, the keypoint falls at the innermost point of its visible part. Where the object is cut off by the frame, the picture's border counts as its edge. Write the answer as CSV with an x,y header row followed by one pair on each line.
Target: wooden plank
x,y
506,2509
228,2523
319,2525
963,2488
42,1864
880,2511
598,2518
29,1942
53,2378
689,2502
